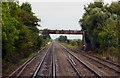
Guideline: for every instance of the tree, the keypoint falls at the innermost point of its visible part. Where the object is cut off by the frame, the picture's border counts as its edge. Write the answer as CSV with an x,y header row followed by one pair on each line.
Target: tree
x,y
101,23
9,32
62,38
27,7
20,35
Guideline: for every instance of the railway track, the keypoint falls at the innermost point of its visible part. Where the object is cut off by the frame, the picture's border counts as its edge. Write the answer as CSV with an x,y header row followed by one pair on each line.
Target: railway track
x,y
106,62
115,68
106,66
111,65
117,65
47,67
17,73
73,66
53,64
81,69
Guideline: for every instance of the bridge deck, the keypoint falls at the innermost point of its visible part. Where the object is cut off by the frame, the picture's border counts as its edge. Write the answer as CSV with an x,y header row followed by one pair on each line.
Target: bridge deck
x,y
61,32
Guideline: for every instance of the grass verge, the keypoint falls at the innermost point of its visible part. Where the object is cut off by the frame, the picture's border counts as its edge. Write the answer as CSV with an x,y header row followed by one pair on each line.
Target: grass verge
x,y
12,67
69,46
103,55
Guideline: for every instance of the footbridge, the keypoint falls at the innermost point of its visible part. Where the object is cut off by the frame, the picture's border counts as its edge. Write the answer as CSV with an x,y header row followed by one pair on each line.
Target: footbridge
x,y
85,38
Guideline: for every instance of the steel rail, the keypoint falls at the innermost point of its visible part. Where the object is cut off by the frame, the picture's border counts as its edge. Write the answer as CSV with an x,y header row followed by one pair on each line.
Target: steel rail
x,y
40,64
53,64
116,69
23,66
117,65
101,63
87,66
20,69
73,66
76,70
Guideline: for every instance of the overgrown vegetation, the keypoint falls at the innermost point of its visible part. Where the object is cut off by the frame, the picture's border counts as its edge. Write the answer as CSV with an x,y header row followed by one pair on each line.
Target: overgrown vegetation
x,y
102,24
62,38
70,43
20,35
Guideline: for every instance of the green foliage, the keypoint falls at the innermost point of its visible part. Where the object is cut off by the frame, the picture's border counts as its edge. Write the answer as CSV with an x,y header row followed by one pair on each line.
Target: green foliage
x,y
101,23
75,42
9,31
62,38
114,8
26,6
108,36
20,35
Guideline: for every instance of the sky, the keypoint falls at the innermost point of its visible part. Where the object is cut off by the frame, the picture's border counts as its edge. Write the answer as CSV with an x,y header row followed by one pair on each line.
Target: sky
x,y
60,14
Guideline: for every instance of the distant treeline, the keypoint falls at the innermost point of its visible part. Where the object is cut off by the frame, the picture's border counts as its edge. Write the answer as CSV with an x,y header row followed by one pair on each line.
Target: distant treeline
x,y
20,35
73,42
102,24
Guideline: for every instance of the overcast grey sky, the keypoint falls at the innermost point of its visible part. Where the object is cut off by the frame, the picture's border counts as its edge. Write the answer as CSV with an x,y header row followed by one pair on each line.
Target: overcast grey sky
x,y
59,15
